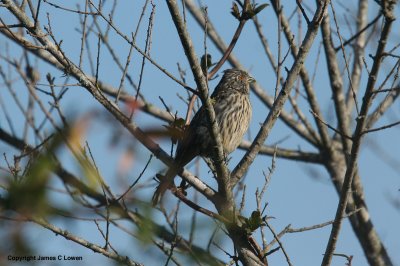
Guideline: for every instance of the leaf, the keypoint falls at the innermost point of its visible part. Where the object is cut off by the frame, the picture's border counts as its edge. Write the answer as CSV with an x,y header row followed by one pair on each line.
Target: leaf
x,y
235,11
253,10
29,195
145,230
176,129
259,8
180,122
213,101
240,3
205,62
255,220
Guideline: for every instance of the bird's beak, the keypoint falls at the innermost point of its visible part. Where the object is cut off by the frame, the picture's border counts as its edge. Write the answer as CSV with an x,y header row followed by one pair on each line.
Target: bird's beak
x,y
251,80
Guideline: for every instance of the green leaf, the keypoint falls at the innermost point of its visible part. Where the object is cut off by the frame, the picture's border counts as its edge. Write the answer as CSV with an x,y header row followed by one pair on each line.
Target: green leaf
x,y
255,220
235,11
180,122
29,195
259,8
252,223
253,10
176,129
205,62
145,230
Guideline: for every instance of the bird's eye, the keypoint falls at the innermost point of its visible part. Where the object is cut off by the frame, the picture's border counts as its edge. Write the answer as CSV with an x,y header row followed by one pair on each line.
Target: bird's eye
x,y
242,78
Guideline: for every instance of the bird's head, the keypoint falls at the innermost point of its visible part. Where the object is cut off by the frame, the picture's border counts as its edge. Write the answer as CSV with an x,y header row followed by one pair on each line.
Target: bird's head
x,y
238,80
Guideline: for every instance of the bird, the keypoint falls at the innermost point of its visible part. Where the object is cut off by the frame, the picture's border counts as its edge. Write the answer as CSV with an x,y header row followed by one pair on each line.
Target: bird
x,y
233,112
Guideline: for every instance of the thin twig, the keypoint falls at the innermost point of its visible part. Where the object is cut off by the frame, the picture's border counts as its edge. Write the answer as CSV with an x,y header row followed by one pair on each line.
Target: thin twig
x,y
147,47
279,243
70,10
381,128
83,38
355,36
330,127
345,60
273,115
228,50
357,136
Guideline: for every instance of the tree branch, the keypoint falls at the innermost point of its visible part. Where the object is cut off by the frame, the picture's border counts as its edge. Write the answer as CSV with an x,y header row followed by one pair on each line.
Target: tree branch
x,y
273,115
357,137
119,208
256,88
69,67
225,202
222,170
311,97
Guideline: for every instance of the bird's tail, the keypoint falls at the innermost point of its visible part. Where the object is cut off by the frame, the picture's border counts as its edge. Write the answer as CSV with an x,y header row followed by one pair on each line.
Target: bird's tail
x,y
165,182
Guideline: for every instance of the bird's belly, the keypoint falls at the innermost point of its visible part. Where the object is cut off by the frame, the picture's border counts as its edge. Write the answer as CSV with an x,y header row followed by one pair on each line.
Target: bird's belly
x,y
234,123
233,119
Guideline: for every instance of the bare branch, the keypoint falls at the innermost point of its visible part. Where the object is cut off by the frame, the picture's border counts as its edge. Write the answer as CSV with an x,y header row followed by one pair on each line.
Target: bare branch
x,y
283,95
256,88
357,136
201,82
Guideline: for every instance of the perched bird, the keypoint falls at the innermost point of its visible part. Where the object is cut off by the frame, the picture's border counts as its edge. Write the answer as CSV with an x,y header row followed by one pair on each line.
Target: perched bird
x,y
232,113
